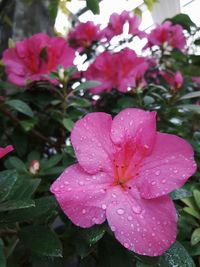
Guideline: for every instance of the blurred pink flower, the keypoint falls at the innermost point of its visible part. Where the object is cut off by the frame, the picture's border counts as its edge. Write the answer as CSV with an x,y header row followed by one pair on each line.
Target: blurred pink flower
x,y
174,80
120,70
5,150
116,25
169,34
35,57
196,79
124,174
84,34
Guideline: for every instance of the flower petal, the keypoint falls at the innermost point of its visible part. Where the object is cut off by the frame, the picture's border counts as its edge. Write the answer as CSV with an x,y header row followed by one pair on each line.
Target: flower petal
x,y
131,125
5,150
81,195
147,227
167,168
92,144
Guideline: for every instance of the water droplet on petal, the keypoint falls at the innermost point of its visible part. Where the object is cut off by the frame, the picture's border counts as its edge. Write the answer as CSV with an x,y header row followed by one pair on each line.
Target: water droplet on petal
x,y
153,234
126,245
130,218
136,209
113,228
120,211
163,181
104,206
153,183
157,172
81,182
83,211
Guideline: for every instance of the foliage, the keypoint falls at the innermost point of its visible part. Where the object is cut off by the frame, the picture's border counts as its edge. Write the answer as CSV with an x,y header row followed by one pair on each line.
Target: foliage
x,y
37,120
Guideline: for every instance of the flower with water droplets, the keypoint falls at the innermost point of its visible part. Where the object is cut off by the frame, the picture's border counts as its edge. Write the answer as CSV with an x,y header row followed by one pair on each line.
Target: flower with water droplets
x,y
134,173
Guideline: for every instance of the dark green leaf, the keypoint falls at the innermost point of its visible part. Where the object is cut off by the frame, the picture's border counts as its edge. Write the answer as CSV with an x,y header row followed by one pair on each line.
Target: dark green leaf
x,y
51,162
94,234
16,163
16,205
20,106
2,255
86,85
195,238
68,124
7,181
190,95
191,107
196,194
41,240
197,42
184,20
180,193
93,5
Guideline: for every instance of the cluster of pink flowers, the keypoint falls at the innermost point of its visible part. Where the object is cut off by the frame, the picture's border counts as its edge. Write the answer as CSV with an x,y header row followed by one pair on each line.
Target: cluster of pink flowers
x,y
84,34
169,34
5,150
37,56
124,174
116,25
122,70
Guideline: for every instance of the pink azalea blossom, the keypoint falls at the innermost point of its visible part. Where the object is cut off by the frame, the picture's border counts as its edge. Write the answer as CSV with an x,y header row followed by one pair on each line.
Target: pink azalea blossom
x,y
5,150
35,57
196,79
84,34
124,174
175,81
122,70
116,25
169,34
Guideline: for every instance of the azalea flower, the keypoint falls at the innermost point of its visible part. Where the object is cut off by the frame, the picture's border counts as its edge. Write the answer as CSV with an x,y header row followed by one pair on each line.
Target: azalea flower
x,y
167,34
123,70
35,57
125,171
116,25
175,80
84,34
5,150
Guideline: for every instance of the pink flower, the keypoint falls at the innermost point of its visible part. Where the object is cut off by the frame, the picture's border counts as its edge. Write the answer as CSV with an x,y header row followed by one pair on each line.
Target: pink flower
x,y
35,57
175,81
84,35
118,70
5,150
124,175
116,25
169,34
196,79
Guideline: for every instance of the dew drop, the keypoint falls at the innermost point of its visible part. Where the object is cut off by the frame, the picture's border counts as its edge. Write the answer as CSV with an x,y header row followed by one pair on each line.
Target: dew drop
x,y
130,218
163,181
120,211
81,182
136,209
104,206
126,245
83,211
157,172
113,228
153,183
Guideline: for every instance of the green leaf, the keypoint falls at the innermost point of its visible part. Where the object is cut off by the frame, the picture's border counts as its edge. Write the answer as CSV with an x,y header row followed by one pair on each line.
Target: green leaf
x,y
180,193
184,20
44,209
20,106
7,181
176,255
94,234
195,238
192,212
191,107
68,124
93,5
24,188
112,254
80,102
197,42
41,240
15,205
150,4
17,164
2,255
51,162
190,95
196,194
86,85
27,125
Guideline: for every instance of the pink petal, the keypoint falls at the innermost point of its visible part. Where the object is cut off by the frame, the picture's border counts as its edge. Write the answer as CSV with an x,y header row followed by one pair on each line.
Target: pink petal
x,y
131,125
147,227
81,195
5,150
167,168
92,144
